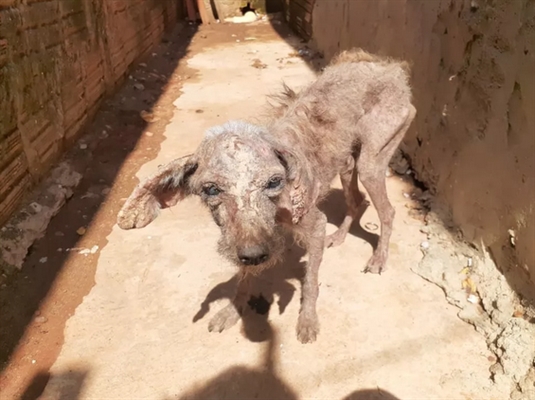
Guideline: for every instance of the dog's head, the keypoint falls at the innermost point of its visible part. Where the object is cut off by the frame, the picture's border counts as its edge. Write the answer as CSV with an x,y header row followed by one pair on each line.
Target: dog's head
x,y
251,184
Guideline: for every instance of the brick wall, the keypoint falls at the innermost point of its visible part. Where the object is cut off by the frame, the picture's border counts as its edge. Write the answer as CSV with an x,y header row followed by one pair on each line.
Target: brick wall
x,y
58,59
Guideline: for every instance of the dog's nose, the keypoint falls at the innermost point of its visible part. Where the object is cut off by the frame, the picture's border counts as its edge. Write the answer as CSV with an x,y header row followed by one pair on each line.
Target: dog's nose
x,y
253,255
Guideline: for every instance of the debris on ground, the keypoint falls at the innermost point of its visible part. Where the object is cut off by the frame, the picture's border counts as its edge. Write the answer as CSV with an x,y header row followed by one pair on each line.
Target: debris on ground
x,y
249,16
472,282
148,116
258,64
30,223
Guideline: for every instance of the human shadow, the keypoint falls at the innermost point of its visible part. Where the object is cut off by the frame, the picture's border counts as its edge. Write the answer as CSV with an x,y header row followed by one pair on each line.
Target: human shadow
x,y
270,283
371,394
63,386
243,382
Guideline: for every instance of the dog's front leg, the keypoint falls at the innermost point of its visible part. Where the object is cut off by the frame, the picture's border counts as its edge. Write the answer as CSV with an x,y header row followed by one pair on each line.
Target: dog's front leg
x,y
228,316
313,228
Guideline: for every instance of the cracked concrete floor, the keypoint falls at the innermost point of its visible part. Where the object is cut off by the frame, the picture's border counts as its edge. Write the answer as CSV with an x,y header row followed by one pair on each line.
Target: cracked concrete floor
x,y
134,337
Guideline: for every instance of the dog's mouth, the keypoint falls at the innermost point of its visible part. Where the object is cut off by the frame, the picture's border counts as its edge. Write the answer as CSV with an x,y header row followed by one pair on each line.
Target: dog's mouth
x,y
254,258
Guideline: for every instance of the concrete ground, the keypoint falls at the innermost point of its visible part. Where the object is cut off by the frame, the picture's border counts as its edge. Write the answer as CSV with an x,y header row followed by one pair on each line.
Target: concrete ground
x,y
141,332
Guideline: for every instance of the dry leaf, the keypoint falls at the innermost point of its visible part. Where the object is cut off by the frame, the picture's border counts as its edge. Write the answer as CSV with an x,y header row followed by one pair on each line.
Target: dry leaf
x,y
465,270
469,285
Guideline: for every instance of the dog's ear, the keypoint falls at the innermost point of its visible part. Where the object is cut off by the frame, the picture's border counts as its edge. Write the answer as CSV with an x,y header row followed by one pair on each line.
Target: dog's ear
x,y
302,190
163,189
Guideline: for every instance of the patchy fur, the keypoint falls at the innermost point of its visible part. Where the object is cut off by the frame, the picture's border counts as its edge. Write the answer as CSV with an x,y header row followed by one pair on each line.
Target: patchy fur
x,y
260,180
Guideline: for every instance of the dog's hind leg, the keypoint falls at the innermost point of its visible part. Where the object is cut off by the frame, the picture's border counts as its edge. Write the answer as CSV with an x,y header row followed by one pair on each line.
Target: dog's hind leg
x,y
385,133
354,200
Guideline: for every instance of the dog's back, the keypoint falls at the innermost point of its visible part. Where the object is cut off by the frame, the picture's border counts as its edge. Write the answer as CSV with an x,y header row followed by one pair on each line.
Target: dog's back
x,y
359,55
323,117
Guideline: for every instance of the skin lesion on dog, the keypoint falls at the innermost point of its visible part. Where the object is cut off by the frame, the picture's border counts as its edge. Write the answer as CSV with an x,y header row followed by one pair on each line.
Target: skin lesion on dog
x,y
261,181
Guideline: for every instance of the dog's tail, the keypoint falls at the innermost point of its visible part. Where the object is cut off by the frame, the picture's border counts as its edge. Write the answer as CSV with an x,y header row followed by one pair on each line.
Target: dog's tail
x,y
359,55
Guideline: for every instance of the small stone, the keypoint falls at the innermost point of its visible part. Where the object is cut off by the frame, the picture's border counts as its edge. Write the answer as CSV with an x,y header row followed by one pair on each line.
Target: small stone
x,y
84,251
60,250
472,298
33,361
36,207
43,260
143,65
94,249
83,146
149,134
424,245
41,320
512,237
388,173
406,195
139,86
81,231
147,116
469,262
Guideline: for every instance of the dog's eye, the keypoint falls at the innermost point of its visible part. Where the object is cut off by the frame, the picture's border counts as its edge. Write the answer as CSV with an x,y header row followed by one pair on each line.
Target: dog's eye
x,y
211,190
274,182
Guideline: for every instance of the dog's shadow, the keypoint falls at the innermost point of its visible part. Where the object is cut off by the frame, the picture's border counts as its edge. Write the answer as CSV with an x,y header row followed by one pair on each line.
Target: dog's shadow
x,y
264,287
334,207
275,281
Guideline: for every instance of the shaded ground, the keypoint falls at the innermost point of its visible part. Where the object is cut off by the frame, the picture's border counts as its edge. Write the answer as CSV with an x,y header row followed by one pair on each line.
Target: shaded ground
x,y
131,320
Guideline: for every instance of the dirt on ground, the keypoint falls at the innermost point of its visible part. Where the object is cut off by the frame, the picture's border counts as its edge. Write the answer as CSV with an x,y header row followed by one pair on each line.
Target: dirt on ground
x,y
97,312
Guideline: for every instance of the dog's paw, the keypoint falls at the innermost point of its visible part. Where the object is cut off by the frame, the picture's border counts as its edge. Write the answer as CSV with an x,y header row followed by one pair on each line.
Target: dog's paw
x,y
376,265
224,319
308,328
